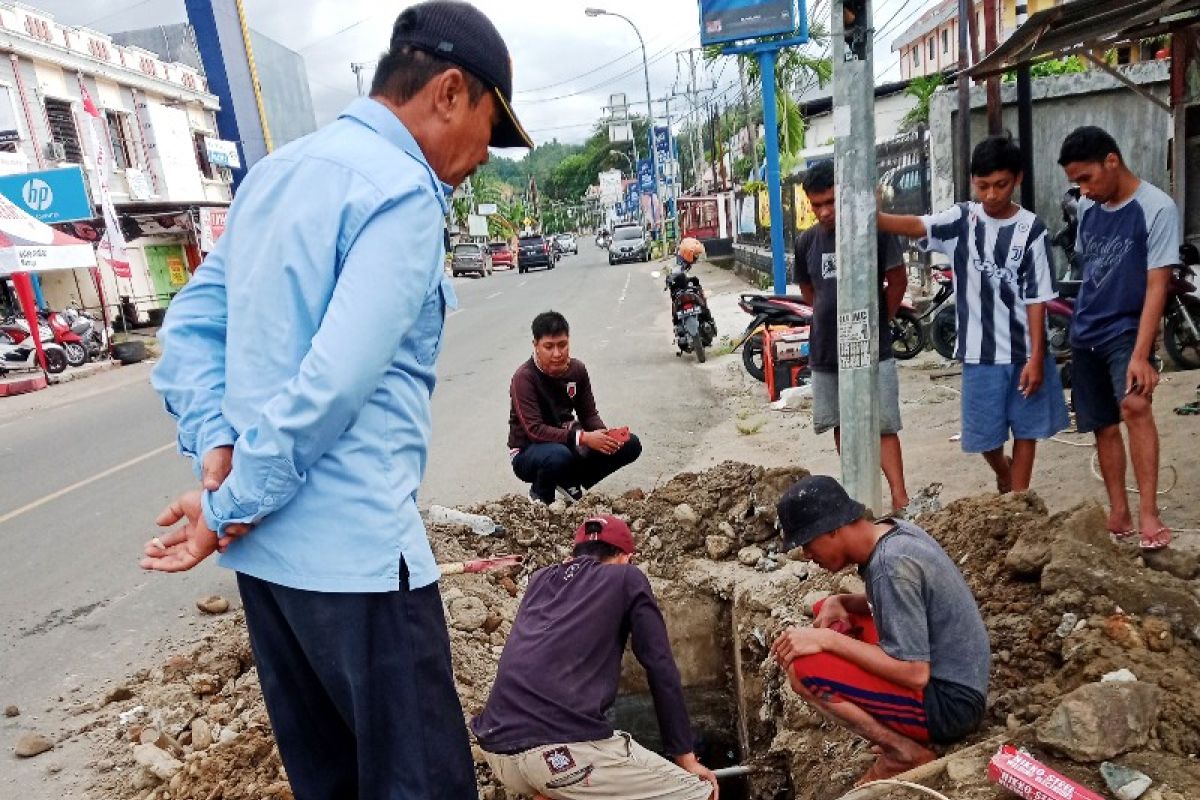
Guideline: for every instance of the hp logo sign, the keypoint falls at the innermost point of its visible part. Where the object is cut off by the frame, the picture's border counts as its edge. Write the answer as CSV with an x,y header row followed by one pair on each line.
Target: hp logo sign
x,y
37,194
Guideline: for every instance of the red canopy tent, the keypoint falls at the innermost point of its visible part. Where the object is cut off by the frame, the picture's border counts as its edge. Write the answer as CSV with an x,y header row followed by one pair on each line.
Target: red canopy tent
x,y
28,246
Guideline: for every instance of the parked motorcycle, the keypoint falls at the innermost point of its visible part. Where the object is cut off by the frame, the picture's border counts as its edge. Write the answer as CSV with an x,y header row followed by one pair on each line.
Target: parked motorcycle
x,y
1181,319
23,355
908,335
52,327
1065,238
92,331
693,323
768,311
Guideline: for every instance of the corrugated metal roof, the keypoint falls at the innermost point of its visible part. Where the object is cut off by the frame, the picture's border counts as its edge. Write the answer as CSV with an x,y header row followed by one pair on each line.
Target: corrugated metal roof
x,y
1087,25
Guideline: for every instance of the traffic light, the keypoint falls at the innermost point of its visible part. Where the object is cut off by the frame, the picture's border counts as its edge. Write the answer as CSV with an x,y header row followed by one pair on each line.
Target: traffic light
x,y
855,30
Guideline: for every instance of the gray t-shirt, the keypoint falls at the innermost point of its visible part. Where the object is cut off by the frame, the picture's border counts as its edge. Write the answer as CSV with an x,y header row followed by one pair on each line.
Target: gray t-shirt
x,y
925,611
817,265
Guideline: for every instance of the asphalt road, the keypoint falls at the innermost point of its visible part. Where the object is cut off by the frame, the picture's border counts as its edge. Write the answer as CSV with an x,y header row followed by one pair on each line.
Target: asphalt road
x,y
85,467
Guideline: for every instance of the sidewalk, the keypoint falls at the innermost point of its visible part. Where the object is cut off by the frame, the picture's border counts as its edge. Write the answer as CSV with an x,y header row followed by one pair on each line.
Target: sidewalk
x,y
103,379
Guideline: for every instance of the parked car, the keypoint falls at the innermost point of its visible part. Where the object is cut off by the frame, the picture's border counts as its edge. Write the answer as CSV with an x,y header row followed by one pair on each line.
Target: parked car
x,y
900,190
502,255
535,251
471,257
628,244
567,244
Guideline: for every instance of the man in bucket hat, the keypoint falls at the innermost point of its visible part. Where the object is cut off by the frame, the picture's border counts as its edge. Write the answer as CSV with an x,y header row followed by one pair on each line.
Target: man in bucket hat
x,y
545,728
311,448
902,665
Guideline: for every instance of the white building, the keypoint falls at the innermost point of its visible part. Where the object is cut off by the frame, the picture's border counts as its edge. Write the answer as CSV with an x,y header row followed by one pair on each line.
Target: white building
x,y
168,182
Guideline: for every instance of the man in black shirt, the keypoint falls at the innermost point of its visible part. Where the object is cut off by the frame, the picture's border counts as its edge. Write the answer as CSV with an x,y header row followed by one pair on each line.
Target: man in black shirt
x,y
545,728
556,439
817,271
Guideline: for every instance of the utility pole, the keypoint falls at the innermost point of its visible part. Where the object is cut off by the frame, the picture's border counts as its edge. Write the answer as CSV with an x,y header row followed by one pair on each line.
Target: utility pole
x,y
962,184
751,125
858,309
995,110
1025,118
699,151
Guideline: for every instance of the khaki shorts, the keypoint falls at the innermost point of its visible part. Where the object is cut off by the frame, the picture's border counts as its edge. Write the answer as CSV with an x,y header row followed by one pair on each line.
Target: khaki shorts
x,y
610,768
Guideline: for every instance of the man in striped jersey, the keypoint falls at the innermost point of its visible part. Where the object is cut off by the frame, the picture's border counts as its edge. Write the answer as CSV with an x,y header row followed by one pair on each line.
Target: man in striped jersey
x,y
1003,277
1128,240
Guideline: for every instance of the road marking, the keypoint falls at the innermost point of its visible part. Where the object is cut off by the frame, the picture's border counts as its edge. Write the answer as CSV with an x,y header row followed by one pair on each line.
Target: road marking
x,y
522,283
625,291
494,295
99,476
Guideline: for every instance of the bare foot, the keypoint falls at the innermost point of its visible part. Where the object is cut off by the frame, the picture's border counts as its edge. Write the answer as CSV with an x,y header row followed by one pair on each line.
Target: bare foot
x,y
1121,525
1004,481
889,766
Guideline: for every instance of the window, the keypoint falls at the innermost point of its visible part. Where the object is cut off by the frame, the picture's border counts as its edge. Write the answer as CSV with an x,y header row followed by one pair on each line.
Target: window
x,y
10,123
916,56
118,135
206,167
63,130
932,43
945,40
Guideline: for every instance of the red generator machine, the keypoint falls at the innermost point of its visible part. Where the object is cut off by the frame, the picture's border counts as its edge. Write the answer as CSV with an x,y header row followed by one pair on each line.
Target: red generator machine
x,y
785,359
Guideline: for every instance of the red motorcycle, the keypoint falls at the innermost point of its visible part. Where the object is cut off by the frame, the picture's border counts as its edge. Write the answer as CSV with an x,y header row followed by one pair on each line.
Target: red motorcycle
x,y
52,327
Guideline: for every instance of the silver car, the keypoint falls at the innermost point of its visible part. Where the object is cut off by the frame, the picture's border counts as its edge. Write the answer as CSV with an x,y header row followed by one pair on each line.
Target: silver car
x,y
470,257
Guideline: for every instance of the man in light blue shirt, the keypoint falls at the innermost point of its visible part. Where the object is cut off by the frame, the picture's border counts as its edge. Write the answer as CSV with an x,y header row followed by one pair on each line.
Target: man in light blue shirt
x,y
299,362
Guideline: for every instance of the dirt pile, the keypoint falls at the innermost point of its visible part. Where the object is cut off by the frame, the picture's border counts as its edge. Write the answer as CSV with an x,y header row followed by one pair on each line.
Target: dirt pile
x,y
1065,608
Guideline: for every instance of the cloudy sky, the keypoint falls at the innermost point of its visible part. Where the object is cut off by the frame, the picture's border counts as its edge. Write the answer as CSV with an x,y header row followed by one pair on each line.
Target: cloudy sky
x,y
565,64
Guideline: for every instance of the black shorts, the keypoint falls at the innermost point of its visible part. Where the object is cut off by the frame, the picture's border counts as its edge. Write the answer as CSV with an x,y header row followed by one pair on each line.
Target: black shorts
x,y
1098,382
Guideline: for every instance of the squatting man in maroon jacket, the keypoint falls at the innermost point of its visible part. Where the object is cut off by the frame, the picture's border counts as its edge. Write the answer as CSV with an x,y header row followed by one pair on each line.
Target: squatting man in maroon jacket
x,y
556,439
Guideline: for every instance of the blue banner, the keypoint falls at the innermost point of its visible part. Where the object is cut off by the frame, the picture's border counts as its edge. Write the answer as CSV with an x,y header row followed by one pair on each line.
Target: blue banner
x,y
662,143
645,171
631,199
53,195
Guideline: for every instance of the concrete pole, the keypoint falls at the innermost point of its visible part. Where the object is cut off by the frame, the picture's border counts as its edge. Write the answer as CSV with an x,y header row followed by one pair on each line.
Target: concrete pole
x,y
962,185
857,264
1025,118
995,111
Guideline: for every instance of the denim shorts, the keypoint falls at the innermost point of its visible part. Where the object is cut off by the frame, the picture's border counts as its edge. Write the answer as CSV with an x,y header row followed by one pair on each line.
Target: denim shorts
x,y
826,412
993,406
1098,382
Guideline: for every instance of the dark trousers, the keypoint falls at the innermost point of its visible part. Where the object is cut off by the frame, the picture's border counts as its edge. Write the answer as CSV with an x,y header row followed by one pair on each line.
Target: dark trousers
x,y
360,692
548,465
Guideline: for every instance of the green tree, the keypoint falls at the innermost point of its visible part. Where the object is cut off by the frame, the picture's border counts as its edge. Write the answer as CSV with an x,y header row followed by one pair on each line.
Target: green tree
x,y
921,88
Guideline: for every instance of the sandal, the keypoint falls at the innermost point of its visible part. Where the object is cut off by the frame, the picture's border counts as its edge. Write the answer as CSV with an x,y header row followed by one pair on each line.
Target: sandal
x,y
1158,540
885,767
1122,536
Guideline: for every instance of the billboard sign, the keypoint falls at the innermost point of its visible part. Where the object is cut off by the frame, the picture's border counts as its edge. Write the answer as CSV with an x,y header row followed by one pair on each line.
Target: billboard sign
x,y
52,195
610,186
212,226
730,20
487,209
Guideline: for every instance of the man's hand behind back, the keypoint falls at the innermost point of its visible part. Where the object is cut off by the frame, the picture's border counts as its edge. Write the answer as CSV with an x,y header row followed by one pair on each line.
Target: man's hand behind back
x,y
185,547
215,468
692,764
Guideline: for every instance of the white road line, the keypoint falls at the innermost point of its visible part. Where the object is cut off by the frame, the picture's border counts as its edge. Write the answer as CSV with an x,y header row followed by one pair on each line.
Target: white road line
x,y
99,476
494,295
625,291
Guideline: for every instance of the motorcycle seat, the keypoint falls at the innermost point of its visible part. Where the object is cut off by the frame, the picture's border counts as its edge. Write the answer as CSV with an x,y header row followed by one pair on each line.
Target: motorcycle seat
x,y
1068,289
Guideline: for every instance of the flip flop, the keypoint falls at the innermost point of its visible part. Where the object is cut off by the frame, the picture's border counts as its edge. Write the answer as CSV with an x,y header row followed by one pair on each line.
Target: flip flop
x,y
1122,536
885,768
1158,540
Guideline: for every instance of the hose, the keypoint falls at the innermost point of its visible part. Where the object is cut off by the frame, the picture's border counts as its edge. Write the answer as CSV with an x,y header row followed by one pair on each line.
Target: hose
x,y
892,782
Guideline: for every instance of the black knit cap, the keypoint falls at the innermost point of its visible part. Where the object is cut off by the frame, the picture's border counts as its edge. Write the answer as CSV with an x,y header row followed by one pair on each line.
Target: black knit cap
x,y
813,507
460,33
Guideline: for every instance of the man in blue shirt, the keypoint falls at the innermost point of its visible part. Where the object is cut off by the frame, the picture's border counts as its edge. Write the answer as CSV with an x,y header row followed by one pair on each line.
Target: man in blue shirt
x,y
299,363
1127,243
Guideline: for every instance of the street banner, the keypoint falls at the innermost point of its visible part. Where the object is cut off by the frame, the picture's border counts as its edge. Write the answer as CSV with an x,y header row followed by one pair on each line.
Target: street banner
x,y
631,199
729,20
610,187
645,173
212,226
112,246
662,143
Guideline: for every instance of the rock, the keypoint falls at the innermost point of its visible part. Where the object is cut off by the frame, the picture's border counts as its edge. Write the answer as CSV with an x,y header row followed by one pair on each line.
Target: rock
x,y
850,584
118,694
727,530
227,735
1029,554
810,600
1121,675
1158,635
468,613
158,762
718,547
32,744
749,556
1183,564
1067,625
1121,630
203,683
654,542
634,495
1125,783
12,711
767,564
143,779
213,604
176,667
966,769
492,623
557,507
686,516
202,737
1098,721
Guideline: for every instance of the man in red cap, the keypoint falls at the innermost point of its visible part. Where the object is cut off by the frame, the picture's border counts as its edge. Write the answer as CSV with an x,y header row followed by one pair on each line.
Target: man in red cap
x,y
545,729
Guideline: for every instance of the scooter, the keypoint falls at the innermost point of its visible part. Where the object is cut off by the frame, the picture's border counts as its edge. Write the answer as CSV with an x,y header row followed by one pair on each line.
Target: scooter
x,y
768,312
23,355
52,327
93,333
694,326
1181,319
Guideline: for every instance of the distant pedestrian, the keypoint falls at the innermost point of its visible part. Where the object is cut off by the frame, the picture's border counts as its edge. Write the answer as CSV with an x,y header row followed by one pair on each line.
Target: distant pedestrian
x,y
299,363
1003,276
1127,243
902,665
556,439
817,272
546,729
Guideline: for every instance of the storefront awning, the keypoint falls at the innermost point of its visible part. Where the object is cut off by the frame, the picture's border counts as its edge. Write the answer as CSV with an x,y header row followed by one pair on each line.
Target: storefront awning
x,y
1083,26
27,245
